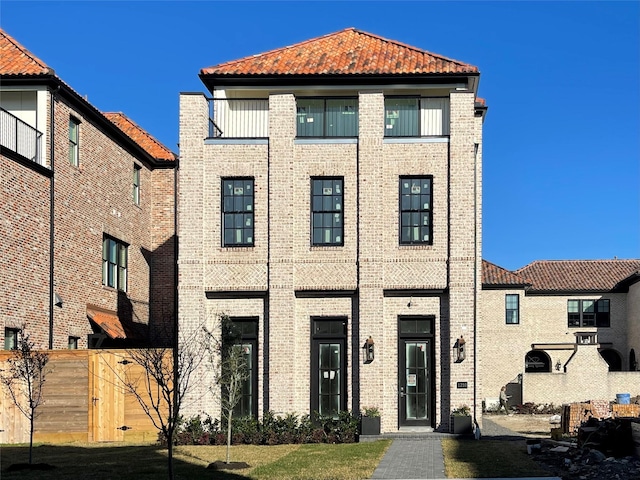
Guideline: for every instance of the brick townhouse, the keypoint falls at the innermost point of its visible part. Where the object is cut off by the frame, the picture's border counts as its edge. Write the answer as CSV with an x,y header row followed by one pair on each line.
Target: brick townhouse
x,y
330,200
87,231
560,331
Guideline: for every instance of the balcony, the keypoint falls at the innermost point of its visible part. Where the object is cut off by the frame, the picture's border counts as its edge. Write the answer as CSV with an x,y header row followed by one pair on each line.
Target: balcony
x,y
239,118
20,137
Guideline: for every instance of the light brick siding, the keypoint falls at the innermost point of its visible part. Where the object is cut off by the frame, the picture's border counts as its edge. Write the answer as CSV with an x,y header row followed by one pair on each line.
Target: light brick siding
x,y
285,282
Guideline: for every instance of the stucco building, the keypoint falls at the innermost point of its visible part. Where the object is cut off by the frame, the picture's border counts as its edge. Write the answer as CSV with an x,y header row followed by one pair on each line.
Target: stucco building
x,y
87,230
330,193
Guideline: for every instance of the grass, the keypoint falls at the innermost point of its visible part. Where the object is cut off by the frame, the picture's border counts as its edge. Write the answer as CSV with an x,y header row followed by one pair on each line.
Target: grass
x,y
84,461
465,458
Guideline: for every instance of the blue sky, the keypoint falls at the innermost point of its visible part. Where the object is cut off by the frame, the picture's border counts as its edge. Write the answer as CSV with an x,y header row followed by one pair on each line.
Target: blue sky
x,y
561,172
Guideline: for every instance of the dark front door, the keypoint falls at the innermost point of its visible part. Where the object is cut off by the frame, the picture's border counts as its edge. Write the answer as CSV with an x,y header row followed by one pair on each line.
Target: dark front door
x,y
416,371
328,366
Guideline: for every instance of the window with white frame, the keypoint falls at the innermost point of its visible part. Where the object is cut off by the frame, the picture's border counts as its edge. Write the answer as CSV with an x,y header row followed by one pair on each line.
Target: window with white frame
x,y
74,141
136,184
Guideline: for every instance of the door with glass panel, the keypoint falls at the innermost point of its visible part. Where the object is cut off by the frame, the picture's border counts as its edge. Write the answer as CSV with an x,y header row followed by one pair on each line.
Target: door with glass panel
x,y
247,406
328,366
416,371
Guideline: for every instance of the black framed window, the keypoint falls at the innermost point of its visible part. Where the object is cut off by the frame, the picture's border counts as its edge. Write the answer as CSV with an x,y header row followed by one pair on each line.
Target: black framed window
x,y
401,117
114,263
512,308
327,211
136,184
11,338
589,313
238,212
73,343
327,117
415,210
74,141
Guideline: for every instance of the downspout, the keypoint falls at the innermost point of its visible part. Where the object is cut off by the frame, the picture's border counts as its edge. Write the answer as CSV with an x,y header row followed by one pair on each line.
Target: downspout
x,y
51,212
475,279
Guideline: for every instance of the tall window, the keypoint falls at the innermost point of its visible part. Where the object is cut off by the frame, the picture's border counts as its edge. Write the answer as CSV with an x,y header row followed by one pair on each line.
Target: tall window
x,y
237,208
11,337
401,117
512,308
415,210
327,117
136,184
114,264
74,140
588,313
328,366
327,202
247,330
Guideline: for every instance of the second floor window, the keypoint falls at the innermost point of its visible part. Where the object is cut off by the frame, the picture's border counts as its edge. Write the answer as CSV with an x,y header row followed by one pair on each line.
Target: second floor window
x,y
114,264
588,313
327,117
512,308
74,140
415,210
11,338
237,211
136,184
327,202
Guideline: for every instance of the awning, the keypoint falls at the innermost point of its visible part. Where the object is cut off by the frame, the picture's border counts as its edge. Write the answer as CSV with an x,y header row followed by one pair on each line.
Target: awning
x,y
107,320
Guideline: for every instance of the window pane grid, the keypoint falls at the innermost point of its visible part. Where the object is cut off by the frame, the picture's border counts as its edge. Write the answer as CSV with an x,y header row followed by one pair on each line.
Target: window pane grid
x,y
588,313
238,212
512,304
415,210
327,199
327,117
114,264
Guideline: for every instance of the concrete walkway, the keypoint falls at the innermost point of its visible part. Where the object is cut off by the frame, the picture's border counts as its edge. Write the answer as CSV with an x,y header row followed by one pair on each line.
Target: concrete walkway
x,y
421,457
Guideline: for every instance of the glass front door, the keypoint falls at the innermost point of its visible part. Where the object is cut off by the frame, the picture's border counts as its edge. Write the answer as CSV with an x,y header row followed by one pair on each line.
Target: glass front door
x,y
328,367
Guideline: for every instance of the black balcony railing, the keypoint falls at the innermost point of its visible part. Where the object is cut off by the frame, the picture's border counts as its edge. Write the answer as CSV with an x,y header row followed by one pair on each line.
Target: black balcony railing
x,y
20,137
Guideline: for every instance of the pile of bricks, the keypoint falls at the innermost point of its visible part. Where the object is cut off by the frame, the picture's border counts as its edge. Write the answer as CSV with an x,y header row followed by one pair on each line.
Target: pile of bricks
x,y
575,414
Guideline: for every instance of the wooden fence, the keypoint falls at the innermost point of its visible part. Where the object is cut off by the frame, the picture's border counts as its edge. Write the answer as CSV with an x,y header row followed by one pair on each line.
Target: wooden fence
x,y
84,400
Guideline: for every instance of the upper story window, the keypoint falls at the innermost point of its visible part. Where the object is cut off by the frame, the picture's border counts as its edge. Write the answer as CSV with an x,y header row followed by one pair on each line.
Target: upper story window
x,y
114,263
136,184
237,211
11,337
416,116
327,201
588,313
73,343
74,141
327,117
415,210
512,308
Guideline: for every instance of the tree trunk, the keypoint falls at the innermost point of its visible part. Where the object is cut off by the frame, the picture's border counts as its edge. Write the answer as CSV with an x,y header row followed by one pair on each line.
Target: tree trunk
x,y
230,413
31,421
170,456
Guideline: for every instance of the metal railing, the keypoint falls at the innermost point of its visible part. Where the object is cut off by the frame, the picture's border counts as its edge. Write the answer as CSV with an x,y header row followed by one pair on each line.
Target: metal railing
x,y
239,118
20,137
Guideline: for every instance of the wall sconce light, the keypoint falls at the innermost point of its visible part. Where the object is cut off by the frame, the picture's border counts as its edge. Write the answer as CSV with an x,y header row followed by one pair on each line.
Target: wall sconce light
x,y
57,300
368,350
558,365
459,350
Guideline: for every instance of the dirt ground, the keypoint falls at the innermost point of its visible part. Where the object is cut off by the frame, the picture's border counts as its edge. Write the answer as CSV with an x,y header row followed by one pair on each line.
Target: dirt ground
x,y
534,426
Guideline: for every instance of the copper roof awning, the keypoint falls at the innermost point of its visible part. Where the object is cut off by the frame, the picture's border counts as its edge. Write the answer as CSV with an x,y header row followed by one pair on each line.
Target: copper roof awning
x,y
108,321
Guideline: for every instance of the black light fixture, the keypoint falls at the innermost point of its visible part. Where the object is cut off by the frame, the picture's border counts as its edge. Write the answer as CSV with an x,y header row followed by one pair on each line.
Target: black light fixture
x,y
368,350
459,350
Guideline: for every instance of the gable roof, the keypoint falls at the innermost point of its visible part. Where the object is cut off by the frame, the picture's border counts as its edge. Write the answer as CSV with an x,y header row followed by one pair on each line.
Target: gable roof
x,y
17,60
347,52
152,146
549,276
494,276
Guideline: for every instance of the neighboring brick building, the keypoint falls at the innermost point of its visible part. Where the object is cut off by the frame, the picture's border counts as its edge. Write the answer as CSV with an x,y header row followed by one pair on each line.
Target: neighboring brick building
x,y
87,235
334,197
553,330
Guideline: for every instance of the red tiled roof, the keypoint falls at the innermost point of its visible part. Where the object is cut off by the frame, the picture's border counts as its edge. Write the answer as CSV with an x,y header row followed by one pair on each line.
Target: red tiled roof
x,y
17,60
348,52
108,321
577,275
152,146
498,276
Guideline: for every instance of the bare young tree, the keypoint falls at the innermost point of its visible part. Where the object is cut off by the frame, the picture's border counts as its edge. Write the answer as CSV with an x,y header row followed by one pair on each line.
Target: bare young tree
x,y
228,353
163,384
24,379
